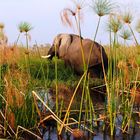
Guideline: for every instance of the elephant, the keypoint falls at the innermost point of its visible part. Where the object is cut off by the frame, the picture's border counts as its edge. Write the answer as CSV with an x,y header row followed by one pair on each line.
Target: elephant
x,y
68,47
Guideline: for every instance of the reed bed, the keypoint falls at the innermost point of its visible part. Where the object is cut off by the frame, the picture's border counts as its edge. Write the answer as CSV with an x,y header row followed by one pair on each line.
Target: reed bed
x,y
70,100
19,107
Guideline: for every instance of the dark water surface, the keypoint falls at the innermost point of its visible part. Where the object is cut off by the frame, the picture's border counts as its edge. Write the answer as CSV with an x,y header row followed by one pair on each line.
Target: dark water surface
x,y
134,133
51,133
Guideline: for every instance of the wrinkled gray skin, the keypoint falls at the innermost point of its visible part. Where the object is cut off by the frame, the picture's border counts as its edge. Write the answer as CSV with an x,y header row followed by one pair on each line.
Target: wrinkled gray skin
x,y
68,49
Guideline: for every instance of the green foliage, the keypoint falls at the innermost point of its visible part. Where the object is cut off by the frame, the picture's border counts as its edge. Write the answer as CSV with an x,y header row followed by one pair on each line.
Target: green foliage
x,y
102,7
138,60
25,115
1,94
24,27
44,70
127,17
126,34
44,74
3,70
114,24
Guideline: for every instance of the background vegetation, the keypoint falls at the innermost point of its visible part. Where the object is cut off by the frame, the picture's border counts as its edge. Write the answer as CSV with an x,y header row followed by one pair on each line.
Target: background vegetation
x,y
30,86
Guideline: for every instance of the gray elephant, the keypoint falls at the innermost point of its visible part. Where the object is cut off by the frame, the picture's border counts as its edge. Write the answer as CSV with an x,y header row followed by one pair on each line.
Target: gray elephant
x,y
68,48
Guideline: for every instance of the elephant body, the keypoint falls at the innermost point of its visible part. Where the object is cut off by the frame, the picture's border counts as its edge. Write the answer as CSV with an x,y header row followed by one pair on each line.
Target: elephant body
x,y
68,48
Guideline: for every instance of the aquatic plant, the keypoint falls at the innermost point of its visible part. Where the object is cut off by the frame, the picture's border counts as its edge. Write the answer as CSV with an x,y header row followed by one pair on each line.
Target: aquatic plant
x,y
24,27
125,34
127,18
19,76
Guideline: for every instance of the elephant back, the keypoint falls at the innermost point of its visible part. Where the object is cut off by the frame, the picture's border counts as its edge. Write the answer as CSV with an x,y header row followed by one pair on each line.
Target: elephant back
x,y
75,53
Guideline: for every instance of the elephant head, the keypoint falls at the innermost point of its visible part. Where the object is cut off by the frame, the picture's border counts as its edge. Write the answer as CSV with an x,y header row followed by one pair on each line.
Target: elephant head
x,y
68,48
60,45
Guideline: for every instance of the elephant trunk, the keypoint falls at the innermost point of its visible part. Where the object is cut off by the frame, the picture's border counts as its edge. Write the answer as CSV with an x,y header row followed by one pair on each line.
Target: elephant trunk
x,y
51,52
49,55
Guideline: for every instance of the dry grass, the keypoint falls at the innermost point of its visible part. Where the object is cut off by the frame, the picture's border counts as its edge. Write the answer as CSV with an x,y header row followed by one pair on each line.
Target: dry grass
x,y
16,80
14,91
9,54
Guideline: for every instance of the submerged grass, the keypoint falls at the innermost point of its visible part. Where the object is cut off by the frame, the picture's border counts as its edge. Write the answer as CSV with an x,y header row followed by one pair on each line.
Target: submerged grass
x,y
22,71
18,102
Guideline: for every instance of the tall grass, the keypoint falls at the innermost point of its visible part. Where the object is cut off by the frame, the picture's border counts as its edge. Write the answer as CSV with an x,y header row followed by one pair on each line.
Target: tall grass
x,y
22,70
20,88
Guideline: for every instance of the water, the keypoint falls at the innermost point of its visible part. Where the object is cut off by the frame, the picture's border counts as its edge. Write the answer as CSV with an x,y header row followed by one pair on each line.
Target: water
x,y
47,98
51,133
99,136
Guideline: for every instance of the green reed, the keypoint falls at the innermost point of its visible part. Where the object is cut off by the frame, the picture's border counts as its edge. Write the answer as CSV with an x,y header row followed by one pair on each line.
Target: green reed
x,y
76,14
112,94
127,18
42,74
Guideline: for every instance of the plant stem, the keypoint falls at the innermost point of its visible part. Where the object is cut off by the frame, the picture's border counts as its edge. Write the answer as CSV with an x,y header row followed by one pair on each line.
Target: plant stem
x,y
72,98
17,39
133,35
27,44
81,44
56,82
82,99
92,45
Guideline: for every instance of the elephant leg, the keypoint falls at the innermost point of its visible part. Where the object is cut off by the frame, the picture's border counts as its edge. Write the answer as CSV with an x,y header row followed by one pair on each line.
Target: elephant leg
x,y
68,64
96,71
92,73
78,70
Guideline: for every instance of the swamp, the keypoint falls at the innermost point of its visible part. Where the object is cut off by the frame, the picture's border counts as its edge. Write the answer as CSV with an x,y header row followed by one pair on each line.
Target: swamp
x,y
42,99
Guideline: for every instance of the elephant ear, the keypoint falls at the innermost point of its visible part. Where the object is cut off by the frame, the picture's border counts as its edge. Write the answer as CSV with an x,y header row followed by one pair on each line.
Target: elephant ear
x,y
57,41
66,41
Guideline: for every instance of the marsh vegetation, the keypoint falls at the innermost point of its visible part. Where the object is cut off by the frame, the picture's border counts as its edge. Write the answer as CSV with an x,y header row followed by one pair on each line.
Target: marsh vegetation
x,y
37,94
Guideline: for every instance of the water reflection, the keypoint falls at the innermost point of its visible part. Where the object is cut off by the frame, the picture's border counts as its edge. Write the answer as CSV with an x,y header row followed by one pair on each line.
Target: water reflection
x,y
52,135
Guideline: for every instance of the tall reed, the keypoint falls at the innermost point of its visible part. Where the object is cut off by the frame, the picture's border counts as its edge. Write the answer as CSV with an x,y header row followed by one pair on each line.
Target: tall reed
x,y
65,18
112,94
127,18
